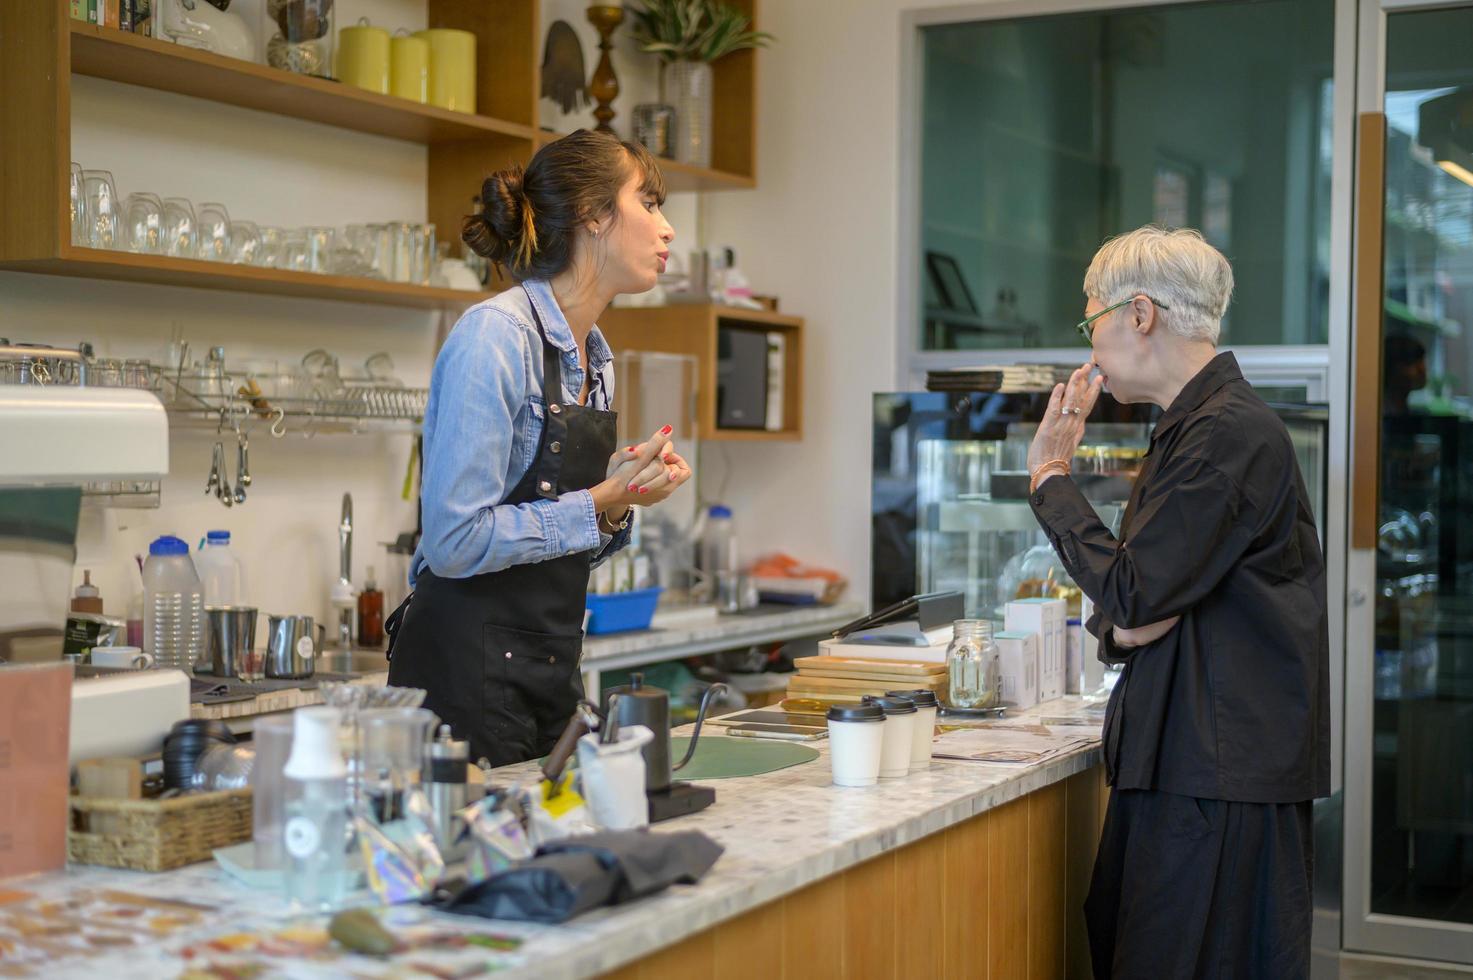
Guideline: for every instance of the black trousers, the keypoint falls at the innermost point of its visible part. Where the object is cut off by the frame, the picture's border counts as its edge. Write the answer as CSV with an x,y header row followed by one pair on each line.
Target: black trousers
x,y
1185,887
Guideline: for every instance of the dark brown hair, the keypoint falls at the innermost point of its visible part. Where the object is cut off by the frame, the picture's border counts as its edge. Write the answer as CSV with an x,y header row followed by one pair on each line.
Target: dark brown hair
x,y
528,218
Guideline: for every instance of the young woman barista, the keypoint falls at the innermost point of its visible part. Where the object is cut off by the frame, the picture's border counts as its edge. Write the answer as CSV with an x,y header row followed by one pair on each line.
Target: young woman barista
x,y
525,487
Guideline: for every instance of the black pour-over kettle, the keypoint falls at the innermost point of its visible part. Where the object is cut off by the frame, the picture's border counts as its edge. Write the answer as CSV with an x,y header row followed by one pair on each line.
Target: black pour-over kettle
x,y
640,704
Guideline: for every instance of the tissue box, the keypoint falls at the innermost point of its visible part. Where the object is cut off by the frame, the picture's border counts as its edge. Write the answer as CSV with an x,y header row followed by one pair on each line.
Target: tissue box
x,y
1048,618
1018,661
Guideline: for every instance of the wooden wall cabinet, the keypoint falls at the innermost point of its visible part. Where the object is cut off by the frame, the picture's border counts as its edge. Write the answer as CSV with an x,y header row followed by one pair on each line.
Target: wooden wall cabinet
x,y
692,329
43,48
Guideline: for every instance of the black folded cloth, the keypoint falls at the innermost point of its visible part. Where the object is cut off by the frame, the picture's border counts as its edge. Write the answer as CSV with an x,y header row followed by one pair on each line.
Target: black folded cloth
x,y
568,877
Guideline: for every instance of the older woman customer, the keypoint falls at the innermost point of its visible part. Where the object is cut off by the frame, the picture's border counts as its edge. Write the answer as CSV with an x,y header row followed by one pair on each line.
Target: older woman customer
x,y
1213,598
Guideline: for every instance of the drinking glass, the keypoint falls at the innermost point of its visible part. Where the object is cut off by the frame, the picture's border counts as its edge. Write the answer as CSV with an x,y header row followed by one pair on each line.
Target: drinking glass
x,y
136,373
245,243
181,229
320,243
405,238
214,232
78,223
422,258
143,223
294,250
271,246
106,372
100,208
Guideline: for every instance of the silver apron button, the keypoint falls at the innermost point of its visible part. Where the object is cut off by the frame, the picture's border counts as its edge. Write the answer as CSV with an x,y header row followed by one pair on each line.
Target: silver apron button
x,y
555,408
545,486
508,654
556,447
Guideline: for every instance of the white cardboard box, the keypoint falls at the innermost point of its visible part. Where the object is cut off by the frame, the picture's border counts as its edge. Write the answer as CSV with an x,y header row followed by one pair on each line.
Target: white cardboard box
x,y
1085,672
1018,660
1049,619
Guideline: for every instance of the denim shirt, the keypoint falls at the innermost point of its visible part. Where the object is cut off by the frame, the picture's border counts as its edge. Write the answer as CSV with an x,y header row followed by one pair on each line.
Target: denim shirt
x,y
481,431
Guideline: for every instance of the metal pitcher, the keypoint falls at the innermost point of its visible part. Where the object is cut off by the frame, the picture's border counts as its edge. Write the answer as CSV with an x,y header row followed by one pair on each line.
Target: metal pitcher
x,y
231,638
292,645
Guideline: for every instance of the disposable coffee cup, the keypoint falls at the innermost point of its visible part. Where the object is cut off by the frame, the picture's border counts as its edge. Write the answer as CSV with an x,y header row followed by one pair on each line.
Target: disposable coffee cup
x,y
926,704
856,740
900,719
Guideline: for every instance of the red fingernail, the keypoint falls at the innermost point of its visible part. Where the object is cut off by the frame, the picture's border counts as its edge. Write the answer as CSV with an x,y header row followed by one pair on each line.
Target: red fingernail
x,y
629,449
630,488
644,489
666,431
665,458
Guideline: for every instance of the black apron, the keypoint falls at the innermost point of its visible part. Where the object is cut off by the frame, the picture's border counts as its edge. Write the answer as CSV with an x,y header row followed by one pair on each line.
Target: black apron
x,y
498,653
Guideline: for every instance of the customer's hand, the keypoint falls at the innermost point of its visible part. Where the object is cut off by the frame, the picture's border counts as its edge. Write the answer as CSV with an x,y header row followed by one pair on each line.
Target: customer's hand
x,y
1062,428
1141,635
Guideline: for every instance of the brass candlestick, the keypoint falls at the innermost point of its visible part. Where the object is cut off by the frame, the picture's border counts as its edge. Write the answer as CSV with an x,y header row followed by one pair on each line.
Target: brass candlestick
x,y
605,85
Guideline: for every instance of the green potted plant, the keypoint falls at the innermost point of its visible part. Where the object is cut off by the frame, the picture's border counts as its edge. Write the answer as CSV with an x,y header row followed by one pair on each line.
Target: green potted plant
x,y
687,36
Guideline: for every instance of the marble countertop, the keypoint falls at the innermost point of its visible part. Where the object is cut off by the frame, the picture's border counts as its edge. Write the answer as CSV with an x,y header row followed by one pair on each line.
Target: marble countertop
x,y
781,831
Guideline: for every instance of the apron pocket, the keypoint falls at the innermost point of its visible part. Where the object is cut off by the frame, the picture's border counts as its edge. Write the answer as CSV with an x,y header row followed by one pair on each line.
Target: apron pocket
x,y
532,679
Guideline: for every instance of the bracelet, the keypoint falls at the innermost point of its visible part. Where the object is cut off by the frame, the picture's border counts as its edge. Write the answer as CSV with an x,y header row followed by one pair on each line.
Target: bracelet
x,y
1059,466
609,526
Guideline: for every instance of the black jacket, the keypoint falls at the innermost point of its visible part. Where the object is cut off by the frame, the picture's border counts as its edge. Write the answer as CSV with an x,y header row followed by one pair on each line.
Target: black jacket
x,y
1233,703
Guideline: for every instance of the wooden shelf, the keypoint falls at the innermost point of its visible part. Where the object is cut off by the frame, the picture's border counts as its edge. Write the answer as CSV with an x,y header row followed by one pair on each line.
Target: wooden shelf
x,y
693,329
137,60
682,177
164,271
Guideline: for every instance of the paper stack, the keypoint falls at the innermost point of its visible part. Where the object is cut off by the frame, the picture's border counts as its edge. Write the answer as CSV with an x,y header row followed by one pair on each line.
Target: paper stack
x,y
848,679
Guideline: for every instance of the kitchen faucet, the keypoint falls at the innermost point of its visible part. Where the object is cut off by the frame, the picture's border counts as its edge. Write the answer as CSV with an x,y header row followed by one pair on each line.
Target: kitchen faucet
x,y
344,592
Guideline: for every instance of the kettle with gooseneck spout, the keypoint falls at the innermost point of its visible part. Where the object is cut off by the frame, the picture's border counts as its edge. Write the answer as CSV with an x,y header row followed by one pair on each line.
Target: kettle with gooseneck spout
x,y
642,704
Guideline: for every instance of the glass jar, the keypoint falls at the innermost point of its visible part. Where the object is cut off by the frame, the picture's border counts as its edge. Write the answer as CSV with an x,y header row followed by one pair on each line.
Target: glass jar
x,y
1037,574
973,669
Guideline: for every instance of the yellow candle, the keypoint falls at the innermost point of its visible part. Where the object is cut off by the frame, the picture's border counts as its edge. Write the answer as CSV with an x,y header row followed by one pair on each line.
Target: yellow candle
x,y
409,67
363,57
452,68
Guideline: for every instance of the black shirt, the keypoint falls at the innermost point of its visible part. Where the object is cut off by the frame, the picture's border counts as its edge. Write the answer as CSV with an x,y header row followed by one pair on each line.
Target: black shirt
x,y
1233,703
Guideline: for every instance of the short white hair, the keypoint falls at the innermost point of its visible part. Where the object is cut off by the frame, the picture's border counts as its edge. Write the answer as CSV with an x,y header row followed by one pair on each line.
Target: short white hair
x,y
1190,280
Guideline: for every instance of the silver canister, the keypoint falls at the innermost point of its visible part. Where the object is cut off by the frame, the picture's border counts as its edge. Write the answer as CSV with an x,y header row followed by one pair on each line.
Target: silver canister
x,y
446,759
292,643
230,638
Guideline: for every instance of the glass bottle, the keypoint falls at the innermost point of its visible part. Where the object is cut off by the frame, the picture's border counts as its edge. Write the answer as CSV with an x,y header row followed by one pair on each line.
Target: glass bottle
x,y
972,666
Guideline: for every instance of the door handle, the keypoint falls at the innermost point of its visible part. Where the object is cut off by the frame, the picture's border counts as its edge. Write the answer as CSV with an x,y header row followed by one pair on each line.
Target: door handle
x,y
1366,328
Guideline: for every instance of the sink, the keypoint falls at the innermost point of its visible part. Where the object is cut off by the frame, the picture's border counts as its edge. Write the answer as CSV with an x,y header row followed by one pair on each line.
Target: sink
x,y
359,661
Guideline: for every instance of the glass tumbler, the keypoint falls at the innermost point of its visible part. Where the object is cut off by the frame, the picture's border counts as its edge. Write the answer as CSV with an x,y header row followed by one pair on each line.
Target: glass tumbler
x,y
393,751
143,223
320,243
272,245
245,243
106,372
78,223
100,208
181,230
273,741
214,232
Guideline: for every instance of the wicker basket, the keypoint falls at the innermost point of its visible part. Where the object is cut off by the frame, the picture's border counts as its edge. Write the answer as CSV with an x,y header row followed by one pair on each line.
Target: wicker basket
x,y
156,835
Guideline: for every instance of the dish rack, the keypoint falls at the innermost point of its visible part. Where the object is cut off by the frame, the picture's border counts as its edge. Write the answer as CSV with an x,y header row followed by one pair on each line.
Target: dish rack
x,y
286,400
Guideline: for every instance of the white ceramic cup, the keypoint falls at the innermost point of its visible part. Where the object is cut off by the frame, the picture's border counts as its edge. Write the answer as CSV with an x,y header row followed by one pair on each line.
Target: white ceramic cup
x,y
856,740
612,778
131,657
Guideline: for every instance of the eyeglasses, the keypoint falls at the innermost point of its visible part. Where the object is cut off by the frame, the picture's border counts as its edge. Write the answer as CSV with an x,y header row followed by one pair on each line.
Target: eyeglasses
x,y
1086,327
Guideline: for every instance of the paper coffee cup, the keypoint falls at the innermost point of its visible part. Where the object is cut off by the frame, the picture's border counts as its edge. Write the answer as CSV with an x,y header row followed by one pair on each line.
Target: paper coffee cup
x,y
856,739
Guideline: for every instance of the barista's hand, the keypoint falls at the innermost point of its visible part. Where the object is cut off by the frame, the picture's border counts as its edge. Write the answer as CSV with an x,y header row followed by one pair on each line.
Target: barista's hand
x,y
636,473
1062,428
1127,638
675,472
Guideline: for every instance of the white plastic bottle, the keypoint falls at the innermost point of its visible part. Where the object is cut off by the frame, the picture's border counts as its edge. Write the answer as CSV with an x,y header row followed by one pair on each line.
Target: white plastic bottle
x,y
173,605
315,833
718,557
220,571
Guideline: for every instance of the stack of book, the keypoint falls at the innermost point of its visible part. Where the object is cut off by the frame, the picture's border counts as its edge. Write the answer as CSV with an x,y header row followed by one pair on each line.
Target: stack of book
x,y
849,679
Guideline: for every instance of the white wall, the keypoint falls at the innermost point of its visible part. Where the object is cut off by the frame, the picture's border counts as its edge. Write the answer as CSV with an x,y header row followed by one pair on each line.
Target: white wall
x,y
821,232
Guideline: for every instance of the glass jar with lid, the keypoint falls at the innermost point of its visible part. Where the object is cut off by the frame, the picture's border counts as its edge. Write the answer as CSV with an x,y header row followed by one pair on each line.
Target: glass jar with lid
x,y
973,667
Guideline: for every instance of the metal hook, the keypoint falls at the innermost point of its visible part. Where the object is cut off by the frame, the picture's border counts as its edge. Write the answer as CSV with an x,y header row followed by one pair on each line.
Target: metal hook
x,y
277,418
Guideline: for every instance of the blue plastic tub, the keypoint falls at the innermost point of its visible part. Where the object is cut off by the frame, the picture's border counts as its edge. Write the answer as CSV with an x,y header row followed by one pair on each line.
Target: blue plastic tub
x,y
619,612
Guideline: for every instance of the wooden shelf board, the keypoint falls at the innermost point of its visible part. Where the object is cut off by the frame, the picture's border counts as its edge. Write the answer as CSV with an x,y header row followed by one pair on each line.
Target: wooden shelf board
x,y
682,177
194,273
137,60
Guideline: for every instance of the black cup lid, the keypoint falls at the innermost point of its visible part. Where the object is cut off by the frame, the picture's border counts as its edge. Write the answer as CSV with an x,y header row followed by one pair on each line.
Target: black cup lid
x,y
921,699
892,706
856,712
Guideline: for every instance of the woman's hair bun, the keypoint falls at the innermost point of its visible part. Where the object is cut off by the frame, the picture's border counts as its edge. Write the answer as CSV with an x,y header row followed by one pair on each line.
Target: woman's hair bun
x,y
504,231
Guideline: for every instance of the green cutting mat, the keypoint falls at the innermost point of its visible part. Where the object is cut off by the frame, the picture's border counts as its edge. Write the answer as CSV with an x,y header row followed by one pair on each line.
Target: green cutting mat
x,y
720,756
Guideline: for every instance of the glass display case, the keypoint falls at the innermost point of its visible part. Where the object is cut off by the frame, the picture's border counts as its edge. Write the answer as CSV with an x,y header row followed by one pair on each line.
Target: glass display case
x,y
949,485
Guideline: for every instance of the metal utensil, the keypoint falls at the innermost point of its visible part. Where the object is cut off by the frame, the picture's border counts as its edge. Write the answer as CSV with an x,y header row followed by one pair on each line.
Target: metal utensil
x,y
610,731
292,643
